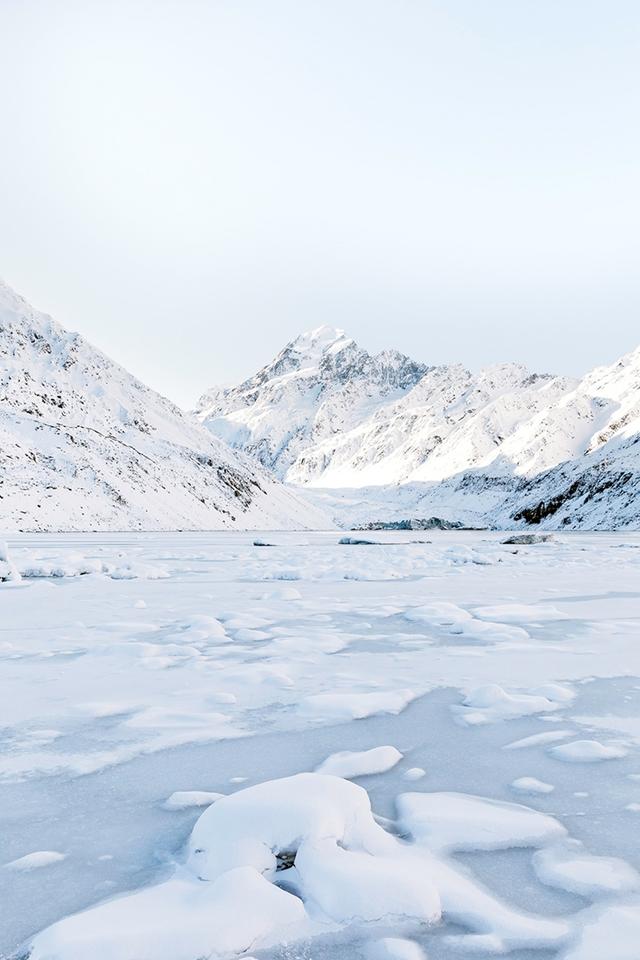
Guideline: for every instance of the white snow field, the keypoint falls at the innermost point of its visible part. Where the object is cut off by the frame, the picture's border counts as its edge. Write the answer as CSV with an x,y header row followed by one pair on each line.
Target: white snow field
x,y
403,749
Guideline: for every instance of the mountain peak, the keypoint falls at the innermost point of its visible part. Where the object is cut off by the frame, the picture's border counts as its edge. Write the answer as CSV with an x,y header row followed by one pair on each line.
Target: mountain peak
x,y
320,341
324,334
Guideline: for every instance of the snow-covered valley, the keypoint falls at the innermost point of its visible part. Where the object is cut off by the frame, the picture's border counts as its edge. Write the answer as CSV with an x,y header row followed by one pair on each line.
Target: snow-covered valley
x,y
427,744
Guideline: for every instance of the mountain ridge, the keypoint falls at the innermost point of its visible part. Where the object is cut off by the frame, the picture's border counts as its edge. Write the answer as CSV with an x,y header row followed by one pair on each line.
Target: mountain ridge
x,y
391,422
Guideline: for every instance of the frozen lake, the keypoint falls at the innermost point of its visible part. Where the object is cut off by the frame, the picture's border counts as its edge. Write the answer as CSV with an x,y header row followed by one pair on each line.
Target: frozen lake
x,y
135,666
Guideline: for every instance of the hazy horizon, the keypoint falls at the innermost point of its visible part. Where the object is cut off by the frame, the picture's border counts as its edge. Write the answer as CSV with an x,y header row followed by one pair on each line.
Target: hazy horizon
x,y
190,185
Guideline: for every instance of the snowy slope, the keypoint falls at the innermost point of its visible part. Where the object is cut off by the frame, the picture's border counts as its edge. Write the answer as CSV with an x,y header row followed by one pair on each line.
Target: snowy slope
x,y
84,445
380,436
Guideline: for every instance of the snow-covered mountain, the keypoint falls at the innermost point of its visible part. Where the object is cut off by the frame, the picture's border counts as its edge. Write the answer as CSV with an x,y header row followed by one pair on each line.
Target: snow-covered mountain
x,y
320,387
384,435
84,445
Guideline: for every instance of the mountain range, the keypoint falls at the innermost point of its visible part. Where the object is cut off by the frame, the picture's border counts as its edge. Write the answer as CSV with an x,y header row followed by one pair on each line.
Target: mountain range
x,y
325,433
384,437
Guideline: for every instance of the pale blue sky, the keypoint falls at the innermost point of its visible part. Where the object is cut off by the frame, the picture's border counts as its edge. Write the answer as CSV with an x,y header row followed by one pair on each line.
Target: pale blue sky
x,y
190,183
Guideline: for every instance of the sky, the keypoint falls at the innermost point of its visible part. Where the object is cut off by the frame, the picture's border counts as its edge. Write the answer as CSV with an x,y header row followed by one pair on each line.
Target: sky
x,y
192,183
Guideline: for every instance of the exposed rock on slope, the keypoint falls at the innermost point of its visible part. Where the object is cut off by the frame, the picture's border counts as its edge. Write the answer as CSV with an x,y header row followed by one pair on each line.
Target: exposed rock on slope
x,y
84,445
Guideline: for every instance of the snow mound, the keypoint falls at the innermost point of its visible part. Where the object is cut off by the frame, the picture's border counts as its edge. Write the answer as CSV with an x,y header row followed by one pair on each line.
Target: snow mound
x,y
184,799
588,751
177,920
33,861
612,931
538,739
75,565
358,542
355,706
349,764
306,854
459,821
8,570
346,863
394,948
415,773
531,785
491,703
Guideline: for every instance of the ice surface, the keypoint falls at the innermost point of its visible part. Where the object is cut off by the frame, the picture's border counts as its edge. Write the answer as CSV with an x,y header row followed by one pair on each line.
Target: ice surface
x,y
130,704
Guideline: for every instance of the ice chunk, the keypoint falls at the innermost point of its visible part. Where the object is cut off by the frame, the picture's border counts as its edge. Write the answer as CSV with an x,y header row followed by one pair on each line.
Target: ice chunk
x,y
349,764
